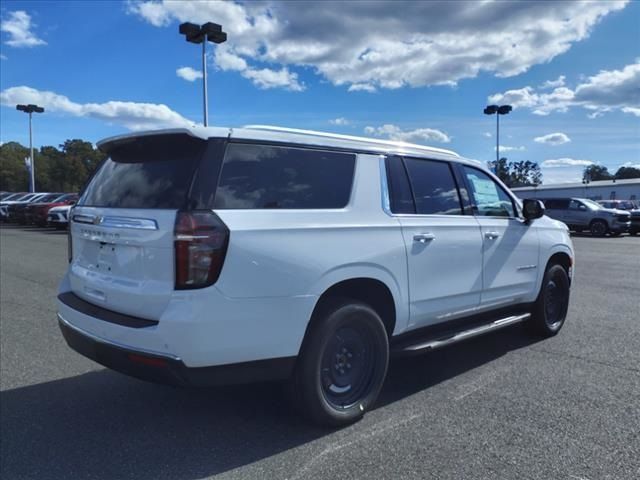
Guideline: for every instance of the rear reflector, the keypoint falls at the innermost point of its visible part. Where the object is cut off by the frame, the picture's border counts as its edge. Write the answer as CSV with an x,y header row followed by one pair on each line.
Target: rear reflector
x,y
201,240
149,361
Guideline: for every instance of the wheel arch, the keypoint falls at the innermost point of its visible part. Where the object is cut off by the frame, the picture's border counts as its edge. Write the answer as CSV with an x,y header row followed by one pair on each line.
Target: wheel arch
x,y
562,256
370,290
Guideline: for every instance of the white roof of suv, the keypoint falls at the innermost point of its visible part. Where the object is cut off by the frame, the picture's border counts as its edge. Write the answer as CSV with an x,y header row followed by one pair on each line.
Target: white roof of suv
x,y
303,137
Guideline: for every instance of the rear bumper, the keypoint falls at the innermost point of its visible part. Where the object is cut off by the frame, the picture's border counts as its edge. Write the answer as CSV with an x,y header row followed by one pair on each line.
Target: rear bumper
x,y
167,369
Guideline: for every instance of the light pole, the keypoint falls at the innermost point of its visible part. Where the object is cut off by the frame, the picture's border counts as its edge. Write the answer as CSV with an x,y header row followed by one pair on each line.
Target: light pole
x,y
211,32
497,110
30,109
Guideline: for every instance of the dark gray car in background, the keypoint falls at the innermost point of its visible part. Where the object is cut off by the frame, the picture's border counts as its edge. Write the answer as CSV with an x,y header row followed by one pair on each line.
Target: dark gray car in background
x,y
581,214
630,206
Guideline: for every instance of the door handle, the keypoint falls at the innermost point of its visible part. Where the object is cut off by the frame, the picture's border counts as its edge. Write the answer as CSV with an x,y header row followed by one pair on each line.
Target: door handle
x,y
424,237
491,235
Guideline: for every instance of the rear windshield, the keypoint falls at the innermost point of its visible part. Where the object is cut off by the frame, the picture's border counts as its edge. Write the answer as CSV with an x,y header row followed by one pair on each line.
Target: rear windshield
x,y
152,171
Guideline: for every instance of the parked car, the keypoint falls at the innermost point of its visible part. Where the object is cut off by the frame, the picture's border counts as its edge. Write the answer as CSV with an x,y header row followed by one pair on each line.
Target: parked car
x,y
5,204
37,213
5,195
58,217
209,255
630,206
18,210
581,214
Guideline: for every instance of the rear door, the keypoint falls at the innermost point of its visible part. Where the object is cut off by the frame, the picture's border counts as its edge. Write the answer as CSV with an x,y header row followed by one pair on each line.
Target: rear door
x,y
123,225
444,246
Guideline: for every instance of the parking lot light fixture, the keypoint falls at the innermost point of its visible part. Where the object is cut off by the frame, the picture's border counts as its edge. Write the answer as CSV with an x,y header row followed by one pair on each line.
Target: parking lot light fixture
x,y
208,32
497,110
31,109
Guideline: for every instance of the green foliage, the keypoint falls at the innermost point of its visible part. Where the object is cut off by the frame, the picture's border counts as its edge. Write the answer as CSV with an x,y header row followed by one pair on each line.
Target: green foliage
x,y
57,170
593,173
627,172
517,174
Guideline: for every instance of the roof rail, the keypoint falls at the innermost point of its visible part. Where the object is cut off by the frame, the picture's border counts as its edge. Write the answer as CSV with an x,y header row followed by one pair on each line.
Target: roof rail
x,y
339,136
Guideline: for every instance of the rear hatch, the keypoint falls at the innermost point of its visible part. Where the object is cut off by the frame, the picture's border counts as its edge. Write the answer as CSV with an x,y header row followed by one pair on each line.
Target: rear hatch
x,y
122,229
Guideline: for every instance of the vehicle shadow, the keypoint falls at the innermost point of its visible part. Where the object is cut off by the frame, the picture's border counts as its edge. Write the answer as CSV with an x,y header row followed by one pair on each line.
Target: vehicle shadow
x,y
588,235
104,425
33,228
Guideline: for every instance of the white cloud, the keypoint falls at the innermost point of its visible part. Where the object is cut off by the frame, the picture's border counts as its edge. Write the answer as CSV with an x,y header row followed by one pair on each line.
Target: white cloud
x,y
362,87
340,121
132,115
632,110
566,162
606,91
630,165
503,38
487,134
558,82
264,78
557,138
506,148
394,132
18,28
189,74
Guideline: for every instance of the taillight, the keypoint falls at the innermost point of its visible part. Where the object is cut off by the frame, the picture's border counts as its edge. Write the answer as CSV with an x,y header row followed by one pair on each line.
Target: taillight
x,y
69,238
201,240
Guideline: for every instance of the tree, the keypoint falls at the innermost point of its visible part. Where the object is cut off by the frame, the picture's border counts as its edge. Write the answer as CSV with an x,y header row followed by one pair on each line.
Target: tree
x,y
13,171
64,170
517,174
627,172
593,173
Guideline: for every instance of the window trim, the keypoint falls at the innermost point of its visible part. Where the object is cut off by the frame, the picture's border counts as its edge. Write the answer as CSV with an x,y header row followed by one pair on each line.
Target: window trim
x,y
514,204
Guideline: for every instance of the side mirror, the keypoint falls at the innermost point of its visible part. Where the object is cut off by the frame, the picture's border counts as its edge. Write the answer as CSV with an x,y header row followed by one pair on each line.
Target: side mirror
x,y
532,209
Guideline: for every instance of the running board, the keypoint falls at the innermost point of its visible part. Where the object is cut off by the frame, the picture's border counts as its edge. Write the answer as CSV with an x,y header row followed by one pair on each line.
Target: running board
x,y
433,343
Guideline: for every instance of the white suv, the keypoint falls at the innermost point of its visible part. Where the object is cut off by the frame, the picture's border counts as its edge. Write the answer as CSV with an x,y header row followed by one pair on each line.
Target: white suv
x,y
209,255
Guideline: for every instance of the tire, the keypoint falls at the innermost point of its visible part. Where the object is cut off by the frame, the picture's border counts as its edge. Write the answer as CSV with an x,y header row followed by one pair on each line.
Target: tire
x,y
615,234
598,228
550,308
342,365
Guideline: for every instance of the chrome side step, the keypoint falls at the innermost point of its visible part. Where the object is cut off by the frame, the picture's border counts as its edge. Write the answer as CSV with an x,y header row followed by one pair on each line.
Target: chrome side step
x,y
463,335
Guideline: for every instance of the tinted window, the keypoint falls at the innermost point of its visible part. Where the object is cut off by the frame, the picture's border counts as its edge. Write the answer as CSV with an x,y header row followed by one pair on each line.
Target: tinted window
x,y
265,177
489,197
400,198
575,205
434,188
556,203
145,172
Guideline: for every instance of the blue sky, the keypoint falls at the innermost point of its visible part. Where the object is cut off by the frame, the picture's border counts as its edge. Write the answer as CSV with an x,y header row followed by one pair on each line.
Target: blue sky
x,y
417,71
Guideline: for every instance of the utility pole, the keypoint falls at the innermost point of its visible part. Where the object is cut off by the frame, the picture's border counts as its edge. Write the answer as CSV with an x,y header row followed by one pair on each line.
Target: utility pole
x,y
213,33
497,110
31,109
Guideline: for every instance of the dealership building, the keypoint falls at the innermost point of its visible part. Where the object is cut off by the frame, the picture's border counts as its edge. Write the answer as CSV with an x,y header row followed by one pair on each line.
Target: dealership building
x,y
628,189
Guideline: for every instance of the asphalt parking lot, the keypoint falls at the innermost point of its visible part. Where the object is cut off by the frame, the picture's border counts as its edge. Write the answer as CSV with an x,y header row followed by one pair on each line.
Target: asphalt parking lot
x,y
503,406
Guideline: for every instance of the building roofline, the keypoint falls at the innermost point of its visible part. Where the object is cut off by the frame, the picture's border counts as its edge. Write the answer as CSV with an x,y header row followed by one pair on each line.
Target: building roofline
x,y
597,183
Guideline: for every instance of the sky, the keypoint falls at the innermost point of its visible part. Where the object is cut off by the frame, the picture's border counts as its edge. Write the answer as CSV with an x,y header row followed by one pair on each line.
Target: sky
x,y
420,72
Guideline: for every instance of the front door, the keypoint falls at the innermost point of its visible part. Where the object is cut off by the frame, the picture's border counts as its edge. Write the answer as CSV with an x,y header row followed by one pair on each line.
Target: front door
x,y
510,246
